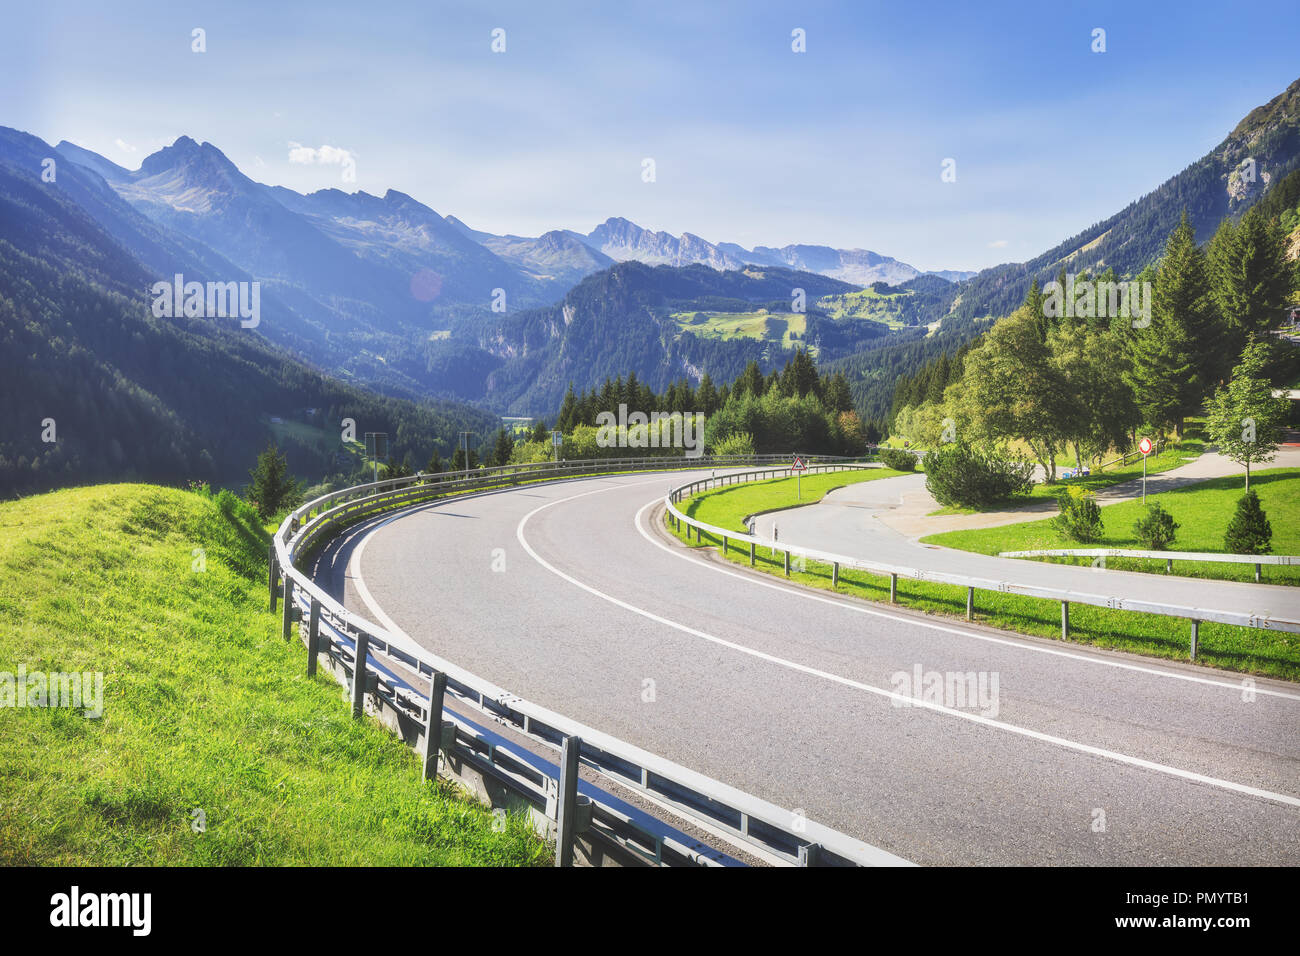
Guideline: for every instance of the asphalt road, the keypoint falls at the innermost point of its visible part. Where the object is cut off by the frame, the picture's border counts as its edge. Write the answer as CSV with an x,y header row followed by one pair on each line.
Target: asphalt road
x,y
846,522
572,596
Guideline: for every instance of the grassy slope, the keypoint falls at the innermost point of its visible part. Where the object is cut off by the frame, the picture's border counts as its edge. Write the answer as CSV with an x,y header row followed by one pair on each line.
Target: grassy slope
x,y
205,706
1236,648
728,508
1203,511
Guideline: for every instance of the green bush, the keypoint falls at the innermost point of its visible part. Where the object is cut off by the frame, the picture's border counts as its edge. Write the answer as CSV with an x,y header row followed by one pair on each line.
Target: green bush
x,y
738,443
898,459
1079,518
964,477
1249,531
1155,528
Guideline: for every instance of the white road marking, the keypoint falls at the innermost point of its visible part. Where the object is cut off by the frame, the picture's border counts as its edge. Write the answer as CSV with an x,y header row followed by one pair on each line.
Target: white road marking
x,y
880,691
810,595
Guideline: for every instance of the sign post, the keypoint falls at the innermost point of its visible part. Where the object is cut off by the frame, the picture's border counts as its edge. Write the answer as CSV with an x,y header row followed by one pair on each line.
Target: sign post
x,y
1144,446
376,448
557,440
798,468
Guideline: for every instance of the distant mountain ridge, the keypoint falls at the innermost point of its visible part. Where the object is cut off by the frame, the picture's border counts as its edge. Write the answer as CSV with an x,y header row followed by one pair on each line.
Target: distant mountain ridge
x,y
621,240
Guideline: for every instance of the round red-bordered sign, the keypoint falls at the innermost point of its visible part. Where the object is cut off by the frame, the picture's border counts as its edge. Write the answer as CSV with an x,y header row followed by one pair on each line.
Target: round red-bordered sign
x,y
1144,446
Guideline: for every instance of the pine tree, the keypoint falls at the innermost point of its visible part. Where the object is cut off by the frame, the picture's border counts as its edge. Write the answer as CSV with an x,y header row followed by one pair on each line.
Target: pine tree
x,y
1170,357
706,396
838,396
272,487
564,422
504,448
1034,303
1249,531
435,463
751,382
1250,279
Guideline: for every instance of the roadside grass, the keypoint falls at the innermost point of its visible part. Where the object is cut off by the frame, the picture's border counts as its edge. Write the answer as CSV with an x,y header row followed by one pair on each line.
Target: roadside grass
x,y
1247,650
1202,511
718,507
205,707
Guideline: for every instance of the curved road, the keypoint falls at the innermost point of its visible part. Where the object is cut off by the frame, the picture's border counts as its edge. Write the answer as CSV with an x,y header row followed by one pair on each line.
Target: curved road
x,y
571,595
855,521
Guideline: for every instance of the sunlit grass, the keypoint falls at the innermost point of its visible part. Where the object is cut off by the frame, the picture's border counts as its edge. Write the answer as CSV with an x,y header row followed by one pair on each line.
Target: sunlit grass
x,y
205,706
1202,510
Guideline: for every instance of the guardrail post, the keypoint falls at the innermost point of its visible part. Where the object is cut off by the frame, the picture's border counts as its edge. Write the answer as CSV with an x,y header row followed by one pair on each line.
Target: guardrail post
x,y
272,569
808,854
313,637
1169,566
970,603
787,563
835,574
1196,633
724,544
287,621
433,726
1065,619
751,554
893,589
1257,574
359,675
568,802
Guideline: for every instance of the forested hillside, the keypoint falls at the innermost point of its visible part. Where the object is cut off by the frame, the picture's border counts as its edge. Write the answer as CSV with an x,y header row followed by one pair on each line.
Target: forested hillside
x,y
124,395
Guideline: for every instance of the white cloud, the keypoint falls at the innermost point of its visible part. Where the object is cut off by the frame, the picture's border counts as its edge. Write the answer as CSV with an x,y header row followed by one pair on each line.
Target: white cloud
x,y
998,244
325,156
124,145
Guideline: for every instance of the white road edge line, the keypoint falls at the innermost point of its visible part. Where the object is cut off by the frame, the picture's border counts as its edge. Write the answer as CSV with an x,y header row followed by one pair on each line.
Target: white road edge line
x,y
879,691
809,595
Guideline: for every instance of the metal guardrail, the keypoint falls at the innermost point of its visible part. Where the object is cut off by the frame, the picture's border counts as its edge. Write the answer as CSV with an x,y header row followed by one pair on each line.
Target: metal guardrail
x,y
972,583
1169,557
376,662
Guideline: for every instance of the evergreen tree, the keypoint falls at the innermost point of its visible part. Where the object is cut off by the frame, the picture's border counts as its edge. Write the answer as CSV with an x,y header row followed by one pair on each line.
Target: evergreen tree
x,y
1251,279
272,487
1249,531
458,459
706,396
750,382
564,422
837,396
1170,357
504,448
435,464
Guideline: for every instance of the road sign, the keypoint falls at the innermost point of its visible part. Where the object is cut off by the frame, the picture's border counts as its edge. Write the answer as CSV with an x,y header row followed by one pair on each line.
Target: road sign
x,y
798,468
1144,446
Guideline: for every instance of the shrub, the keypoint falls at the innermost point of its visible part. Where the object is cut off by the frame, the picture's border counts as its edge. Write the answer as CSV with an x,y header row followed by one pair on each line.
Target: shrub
x,y
898,459
1249,531
1079,518
738,443
1155,528
961,476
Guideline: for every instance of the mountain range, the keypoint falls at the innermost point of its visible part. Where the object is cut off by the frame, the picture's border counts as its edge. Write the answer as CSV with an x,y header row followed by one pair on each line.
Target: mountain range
x,y
364,294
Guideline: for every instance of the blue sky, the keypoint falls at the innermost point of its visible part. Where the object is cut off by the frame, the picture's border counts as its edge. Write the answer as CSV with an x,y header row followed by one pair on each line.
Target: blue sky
x,y
752,143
